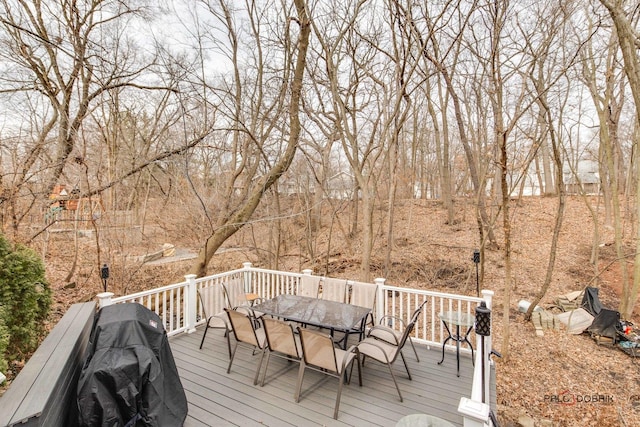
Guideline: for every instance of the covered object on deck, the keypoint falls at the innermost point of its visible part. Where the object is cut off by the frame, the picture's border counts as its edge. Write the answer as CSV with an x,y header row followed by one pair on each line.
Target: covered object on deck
x,y
129,377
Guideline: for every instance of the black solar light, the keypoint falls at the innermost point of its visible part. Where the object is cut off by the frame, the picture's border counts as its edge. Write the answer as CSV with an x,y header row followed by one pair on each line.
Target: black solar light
x,y
483,320
104,274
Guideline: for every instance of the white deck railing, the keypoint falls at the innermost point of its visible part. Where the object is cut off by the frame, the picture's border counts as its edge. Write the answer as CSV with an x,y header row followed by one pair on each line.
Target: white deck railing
x,y
171,303
179,308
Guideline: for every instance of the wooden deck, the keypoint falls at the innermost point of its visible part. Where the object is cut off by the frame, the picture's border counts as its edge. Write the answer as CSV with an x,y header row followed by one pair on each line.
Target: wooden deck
x,y
220,399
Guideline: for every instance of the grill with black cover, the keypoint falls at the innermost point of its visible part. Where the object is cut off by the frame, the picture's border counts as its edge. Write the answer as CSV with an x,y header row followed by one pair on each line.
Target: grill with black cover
x,y
129,377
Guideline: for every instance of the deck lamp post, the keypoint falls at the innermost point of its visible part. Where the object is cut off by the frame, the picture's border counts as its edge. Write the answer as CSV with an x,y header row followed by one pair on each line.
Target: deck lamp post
x,y
476,261
104,274
483,329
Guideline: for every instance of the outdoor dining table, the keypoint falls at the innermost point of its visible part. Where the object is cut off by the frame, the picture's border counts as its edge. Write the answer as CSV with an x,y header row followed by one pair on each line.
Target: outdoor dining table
x,y
331,315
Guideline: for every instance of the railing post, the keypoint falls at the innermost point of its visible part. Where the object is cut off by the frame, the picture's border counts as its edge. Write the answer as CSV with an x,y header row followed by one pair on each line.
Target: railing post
x,y
379,306
104,299
246,278
487,296
474,413
475,410
192,303
305,272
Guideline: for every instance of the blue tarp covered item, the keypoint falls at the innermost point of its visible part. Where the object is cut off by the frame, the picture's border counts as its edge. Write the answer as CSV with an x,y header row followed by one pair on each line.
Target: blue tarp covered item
x,y
129,377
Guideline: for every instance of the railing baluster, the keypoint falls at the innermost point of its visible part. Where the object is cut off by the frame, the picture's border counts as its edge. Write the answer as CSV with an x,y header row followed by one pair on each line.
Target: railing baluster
x,y
169,300
177,311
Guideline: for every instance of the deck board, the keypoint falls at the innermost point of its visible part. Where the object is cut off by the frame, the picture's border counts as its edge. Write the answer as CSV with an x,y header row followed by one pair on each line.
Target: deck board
x,y
219,399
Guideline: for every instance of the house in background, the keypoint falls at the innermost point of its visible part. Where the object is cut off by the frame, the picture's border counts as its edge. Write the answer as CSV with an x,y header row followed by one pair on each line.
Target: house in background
x,y
585,179
339,186
67,207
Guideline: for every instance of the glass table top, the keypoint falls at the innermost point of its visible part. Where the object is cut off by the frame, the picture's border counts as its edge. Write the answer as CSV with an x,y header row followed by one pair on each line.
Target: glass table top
x,y
457,318
315,311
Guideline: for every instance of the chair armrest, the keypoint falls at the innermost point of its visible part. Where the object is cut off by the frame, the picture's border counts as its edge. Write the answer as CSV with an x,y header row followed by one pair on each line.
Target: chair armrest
x,y
388,332
356,359
362,326
370,316
353,348
394,318
220,316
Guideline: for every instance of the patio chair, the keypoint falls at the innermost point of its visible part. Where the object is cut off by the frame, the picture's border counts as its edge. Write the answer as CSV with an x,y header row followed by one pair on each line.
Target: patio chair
x,y
246,334
212,301
392,335
319,354
385,352
237,298
309,286
334,289
364,295
281,342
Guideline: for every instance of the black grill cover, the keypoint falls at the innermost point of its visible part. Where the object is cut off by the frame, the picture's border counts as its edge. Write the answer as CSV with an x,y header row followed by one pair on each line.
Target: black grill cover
x,y
129,377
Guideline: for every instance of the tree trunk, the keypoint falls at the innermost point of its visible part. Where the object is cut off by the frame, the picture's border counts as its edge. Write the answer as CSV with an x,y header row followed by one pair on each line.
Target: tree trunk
x,y
557,157
549,186
627,40
231,224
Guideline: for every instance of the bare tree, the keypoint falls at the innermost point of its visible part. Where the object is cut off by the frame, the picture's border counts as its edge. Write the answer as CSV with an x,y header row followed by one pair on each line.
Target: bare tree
x,y
249,133
625,25
439,51
608,100
512,53
348,50
61,58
